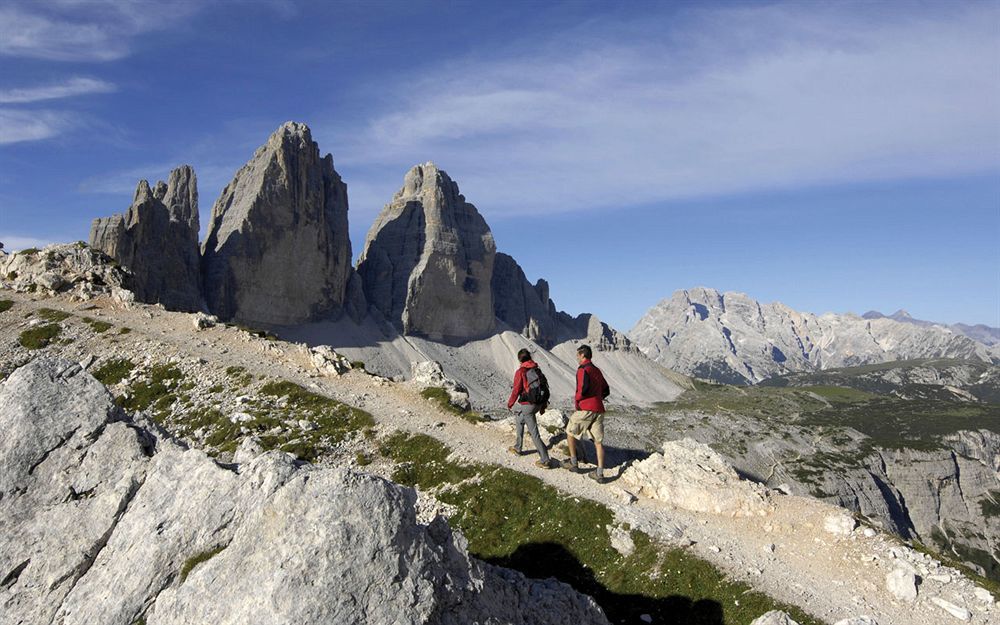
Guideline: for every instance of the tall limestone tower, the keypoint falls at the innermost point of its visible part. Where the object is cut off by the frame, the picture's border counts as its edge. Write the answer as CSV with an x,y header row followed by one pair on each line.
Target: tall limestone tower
x,y
277,250
428,261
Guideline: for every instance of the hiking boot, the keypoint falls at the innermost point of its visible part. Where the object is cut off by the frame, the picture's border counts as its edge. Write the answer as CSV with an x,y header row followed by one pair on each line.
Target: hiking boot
x,y
514,450
597,476
568,465
543,465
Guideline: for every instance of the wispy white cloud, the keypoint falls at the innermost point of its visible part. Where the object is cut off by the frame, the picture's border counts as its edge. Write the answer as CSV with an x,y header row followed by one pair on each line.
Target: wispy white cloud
x,y
98,30
85,30
726,101
13,242
17,126
73,87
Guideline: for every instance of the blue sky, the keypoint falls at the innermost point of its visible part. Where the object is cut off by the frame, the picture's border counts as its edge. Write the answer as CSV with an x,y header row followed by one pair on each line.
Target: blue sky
x,y
833,156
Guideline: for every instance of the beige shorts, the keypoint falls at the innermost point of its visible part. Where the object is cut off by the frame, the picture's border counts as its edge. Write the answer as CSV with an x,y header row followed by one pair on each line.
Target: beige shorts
x,y
586,421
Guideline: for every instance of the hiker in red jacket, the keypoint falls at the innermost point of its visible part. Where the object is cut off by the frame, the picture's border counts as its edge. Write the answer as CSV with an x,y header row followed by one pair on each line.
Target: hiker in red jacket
x,y
529,396
591,389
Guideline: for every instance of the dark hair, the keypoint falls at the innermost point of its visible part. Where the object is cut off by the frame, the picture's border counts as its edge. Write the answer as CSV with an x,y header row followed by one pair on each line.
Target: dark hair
x,y
524,355
584,350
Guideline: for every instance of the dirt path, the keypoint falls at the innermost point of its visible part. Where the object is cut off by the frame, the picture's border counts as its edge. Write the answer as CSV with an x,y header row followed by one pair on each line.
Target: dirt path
x,y
787,554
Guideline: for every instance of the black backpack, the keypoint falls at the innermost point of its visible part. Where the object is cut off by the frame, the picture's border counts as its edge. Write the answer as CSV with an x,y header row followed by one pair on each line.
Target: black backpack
x,y
538,387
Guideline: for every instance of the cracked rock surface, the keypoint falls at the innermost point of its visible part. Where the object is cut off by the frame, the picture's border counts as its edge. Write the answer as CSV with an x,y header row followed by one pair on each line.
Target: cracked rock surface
x,y
105,519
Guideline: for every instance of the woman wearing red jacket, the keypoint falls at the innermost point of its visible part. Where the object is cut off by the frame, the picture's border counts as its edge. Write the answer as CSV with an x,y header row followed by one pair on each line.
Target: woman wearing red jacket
x,y
527,376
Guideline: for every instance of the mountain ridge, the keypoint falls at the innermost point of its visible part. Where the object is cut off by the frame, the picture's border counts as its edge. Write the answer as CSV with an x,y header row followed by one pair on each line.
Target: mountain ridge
x,y
731,337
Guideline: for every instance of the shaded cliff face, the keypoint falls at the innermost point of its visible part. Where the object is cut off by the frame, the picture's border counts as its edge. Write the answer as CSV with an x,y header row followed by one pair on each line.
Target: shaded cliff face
x,y
428,261
732,338
528,310
277,250
157,241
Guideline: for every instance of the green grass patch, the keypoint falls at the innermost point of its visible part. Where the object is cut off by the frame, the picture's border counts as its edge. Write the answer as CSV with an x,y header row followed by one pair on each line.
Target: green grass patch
x,y
239,375
39,336
28,252
124,330
440,397
50,314
357,364
197,559
155,390
114,371
97,326
518,521
6,304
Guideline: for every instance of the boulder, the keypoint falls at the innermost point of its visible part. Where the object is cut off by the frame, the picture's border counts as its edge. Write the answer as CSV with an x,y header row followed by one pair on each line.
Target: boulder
x,y
103,520
277,250
428,261
774,617
690,475
841,524
157,241
328,361
962,614
429,374
901,583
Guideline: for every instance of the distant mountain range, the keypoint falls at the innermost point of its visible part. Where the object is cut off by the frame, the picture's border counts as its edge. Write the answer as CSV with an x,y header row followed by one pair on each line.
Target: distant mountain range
x,y
731,337
983,333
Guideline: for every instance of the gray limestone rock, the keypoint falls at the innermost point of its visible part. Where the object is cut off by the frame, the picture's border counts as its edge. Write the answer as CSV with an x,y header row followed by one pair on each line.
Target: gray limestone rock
x,y
103,520
277,250
527,309
157,241
73,269
732,338
428,261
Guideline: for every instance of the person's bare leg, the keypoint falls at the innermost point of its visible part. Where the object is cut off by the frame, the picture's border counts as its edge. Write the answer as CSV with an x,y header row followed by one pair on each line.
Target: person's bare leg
x,y
600,455
570,463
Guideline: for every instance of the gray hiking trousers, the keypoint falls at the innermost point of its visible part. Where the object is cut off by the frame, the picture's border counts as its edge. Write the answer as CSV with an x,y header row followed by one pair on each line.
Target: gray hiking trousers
x,y
524,415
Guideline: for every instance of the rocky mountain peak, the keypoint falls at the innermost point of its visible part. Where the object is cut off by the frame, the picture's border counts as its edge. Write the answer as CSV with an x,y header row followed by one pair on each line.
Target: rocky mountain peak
x,y
277,250
180,196
428,260
157,241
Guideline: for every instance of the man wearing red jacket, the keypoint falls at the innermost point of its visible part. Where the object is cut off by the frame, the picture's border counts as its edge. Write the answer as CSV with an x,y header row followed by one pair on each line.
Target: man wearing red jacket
x,y
525,409
591,389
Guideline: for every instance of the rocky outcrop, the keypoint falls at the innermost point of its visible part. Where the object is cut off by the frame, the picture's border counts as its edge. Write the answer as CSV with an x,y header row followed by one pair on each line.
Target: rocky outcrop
x,y
732,338
528,310
277,250
525,307
428,261
690,475
157,241
72,269
106,520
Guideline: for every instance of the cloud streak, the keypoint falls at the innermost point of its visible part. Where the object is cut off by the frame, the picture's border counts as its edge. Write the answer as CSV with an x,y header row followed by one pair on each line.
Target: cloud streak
x,y
73,87
749,100
85,30
17,126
